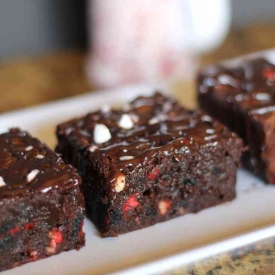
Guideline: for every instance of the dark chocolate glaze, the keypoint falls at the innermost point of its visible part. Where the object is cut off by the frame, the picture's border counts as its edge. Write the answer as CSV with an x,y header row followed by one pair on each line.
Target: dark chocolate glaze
x,y
21,154
250,85
175,130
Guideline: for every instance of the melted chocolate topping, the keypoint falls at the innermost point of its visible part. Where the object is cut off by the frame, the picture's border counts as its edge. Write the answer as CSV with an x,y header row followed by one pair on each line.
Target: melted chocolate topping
x,y
250,85
27,165
159,124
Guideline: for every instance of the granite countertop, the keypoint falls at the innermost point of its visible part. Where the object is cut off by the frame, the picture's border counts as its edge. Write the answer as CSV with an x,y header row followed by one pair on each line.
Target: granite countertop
x,y
30,81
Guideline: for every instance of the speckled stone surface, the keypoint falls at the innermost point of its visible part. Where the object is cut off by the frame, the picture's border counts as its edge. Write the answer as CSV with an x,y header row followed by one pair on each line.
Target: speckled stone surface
x,y
255,259
31,81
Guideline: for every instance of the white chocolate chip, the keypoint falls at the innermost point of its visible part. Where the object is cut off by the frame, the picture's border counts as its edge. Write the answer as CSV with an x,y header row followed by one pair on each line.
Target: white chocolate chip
x,y
126,122
120,183
93,148
153,120
28,148
101,134
126,158
163,207
33,253
2,183
39,156
105,109
50,250
32,175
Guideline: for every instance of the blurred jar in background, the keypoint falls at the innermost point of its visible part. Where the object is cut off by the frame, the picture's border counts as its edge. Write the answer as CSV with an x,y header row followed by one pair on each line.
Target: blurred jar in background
x,y
140,41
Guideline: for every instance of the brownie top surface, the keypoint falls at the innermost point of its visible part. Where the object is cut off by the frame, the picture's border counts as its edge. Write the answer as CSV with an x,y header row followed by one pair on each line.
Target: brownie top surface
x,y
27,165
249,84
145,126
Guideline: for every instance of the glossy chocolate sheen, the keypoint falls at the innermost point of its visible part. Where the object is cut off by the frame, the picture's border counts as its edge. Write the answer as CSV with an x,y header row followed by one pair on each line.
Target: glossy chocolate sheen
x,y
27,165
159,124
249,85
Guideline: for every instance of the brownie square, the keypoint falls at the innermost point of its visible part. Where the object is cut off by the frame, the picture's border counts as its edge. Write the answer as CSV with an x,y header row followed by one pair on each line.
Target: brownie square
x,y
42,208
149,161
242,97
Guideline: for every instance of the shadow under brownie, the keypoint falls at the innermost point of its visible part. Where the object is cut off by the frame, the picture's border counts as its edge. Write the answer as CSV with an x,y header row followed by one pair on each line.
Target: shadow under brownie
x,y
148,162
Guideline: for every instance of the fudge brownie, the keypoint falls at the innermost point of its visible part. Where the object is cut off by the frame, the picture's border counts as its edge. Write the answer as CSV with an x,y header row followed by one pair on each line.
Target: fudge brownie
x,y
242,96
42,208
149,161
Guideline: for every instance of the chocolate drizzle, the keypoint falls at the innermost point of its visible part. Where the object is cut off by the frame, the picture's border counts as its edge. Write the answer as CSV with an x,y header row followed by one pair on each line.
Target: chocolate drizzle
x,y
250,85
160,124
27,165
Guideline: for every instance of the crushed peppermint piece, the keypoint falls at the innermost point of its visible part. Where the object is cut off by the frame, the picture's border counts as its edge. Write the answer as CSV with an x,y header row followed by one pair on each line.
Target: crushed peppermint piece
x,y
93,148
126,122
39,156
29,148
2,183
126,158
101,134
32,175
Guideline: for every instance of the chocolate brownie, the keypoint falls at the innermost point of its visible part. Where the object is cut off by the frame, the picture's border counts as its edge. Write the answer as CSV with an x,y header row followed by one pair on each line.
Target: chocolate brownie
x,y
42,208
243,97
149,162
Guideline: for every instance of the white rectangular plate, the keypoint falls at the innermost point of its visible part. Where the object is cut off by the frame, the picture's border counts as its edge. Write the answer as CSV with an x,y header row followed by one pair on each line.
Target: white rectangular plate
x,y
162,246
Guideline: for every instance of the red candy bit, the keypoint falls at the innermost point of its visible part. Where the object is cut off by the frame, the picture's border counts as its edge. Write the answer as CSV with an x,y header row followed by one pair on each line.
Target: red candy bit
x,y
81,233
185,141
14,230
130,203
153,174
107,220
29,226
271,179
269,74
56,236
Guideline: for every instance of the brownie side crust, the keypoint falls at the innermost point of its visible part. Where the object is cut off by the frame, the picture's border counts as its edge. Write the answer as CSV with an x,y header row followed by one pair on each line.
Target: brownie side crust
x,y
242,97
42,208
159,161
